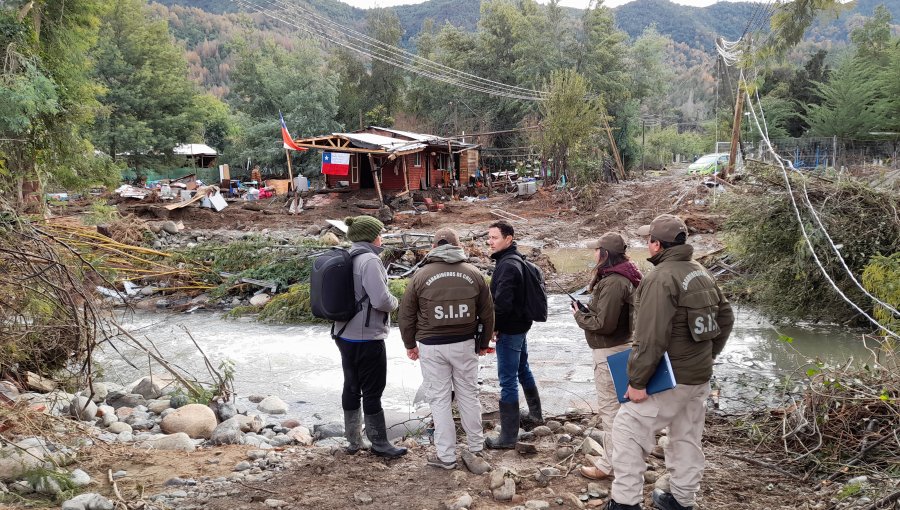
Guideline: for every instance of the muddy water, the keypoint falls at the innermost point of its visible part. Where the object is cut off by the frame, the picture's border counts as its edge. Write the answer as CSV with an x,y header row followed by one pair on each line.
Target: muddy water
x,y
301,363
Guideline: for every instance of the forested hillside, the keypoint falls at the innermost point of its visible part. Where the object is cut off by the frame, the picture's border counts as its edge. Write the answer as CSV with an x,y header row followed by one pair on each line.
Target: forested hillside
x,y
161,75
694,26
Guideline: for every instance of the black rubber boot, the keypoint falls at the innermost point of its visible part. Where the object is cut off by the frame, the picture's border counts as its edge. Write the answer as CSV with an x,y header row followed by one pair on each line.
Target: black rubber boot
x,y
535,416
376,431
353,431
509,427
666,501
612,505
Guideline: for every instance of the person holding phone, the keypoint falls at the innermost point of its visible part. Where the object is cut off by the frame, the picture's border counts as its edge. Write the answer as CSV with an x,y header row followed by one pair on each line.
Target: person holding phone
x,y
607,328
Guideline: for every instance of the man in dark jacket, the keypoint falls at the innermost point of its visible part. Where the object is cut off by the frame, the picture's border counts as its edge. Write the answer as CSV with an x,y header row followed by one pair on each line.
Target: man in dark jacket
x,y
511,328
445,303
361,340
679,310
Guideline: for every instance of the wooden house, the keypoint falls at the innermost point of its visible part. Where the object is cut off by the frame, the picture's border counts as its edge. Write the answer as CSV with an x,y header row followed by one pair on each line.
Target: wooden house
x,y
400,160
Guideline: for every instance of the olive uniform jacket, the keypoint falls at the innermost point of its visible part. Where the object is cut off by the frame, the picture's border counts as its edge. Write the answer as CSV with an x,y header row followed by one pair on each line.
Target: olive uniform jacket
x,y
679,310
608,321
445,302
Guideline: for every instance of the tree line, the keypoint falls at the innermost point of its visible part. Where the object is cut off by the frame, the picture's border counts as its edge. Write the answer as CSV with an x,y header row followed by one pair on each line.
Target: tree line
x,y
92,87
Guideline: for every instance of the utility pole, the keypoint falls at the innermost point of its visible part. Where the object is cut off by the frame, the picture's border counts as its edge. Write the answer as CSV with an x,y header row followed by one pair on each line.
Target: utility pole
x,y
738,116
735,130
643,125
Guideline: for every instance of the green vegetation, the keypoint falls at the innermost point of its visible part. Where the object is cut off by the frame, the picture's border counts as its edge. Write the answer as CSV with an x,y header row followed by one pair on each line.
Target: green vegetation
x,y
47,96
292,307
780,276
114,75
881,277
100,214
254,257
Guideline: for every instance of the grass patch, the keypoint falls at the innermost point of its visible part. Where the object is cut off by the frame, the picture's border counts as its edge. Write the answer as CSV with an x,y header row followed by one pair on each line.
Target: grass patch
x,y
101,214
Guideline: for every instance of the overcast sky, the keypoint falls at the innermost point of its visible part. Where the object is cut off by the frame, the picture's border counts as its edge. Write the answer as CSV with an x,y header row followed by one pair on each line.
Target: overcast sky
x,y
581,4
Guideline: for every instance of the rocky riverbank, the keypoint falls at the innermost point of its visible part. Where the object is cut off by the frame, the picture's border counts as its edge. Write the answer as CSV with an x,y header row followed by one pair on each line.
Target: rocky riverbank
x,y
143,446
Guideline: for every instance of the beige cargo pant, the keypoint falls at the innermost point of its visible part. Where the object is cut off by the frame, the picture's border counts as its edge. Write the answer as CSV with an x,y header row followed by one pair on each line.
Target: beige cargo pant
x,y
683,410
446,368
607,401
606,393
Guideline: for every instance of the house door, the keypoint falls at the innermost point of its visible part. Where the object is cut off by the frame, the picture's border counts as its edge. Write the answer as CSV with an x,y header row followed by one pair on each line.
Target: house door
x,y
365,172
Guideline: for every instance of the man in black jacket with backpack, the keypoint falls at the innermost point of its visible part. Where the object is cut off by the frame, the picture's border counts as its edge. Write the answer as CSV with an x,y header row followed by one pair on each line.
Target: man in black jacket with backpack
x,y
511,327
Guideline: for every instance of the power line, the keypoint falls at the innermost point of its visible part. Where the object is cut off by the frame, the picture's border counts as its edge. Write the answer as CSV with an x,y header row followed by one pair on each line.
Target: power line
x,y
730,51
397,51
765,138
386,56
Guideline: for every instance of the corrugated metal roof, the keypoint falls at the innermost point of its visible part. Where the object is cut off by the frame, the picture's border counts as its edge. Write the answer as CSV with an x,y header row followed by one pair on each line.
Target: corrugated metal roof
x,y
420,137
373,141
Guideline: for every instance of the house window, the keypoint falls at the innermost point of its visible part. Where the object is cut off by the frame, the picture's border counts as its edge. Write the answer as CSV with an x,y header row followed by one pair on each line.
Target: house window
x,y
354,168
418,161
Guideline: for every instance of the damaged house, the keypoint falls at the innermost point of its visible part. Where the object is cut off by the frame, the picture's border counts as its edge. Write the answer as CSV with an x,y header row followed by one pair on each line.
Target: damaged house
x,y
399,160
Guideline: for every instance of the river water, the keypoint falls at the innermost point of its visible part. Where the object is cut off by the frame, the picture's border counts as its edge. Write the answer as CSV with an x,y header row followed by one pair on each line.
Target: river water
x,y
302,365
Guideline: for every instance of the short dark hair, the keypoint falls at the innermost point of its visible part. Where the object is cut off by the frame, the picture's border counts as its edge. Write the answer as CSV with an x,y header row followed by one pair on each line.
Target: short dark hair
x,y
442,242
505,228
680,239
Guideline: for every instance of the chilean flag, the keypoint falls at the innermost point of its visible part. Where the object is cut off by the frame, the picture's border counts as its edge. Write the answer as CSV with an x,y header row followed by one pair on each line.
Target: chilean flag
x,y
335,163
286,137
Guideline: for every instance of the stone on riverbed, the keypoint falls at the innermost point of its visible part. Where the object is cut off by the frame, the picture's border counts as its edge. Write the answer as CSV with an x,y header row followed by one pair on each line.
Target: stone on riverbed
x,y
195,420
175,442
273,405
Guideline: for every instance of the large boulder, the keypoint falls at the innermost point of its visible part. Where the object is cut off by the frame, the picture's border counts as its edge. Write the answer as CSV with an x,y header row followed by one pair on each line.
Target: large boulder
x,y
228,432
29,454
89,501
195,420
119,399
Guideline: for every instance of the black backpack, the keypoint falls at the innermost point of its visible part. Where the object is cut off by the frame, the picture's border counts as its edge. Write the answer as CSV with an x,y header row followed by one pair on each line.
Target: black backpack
x,y
331,287
535,291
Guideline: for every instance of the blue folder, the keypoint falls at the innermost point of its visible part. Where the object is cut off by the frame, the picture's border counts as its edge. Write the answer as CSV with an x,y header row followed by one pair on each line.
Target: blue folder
x,y
661,380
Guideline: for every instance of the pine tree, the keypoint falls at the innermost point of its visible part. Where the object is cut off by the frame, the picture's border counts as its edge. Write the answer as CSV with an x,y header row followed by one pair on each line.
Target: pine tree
x,y
849,107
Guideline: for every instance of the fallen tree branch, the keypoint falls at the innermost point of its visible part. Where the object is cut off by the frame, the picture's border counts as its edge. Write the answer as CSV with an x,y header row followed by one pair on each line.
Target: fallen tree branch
x,y
765,465
187,385
883,502
862,453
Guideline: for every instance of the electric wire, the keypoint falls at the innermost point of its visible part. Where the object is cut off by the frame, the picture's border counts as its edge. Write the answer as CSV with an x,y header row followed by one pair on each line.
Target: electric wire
x,y
381,58
764,131
492,90
803,230
397,51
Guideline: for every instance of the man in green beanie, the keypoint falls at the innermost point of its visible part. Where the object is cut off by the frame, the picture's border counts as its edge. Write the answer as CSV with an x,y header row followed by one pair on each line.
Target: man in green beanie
x,y
361,343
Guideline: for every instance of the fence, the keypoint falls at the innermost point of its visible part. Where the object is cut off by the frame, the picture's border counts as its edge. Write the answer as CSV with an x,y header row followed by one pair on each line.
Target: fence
x,y
839,153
